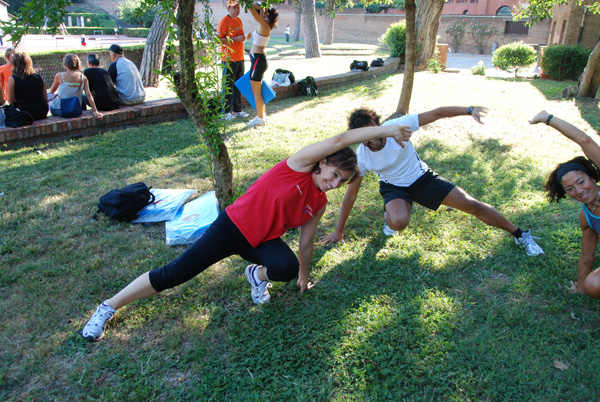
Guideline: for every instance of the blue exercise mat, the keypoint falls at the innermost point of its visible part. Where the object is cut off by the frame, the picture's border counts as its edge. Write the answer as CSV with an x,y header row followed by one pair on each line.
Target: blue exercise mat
x,y
243,84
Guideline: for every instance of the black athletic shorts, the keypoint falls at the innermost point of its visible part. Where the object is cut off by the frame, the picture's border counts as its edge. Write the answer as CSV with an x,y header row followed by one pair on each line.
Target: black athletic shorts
x,y
258,66
429,190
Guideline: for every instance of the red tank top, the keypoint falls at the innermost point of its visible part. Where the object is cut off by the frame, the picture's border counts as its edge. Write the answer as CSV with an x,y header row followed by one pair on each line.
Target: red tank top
x,y
279,200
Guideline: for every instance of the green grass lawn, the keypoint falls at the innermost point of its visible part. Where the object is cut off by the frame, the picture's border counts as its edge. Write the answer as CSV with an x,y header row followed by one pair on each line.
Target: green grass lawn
x,y
450,310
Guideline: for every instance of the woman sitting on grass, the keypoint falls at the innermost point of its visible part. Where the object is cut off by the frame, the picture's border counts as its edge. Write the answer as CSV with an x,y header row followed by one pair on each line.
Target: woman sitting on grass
x,y
267,20
579,178
289,195
70,84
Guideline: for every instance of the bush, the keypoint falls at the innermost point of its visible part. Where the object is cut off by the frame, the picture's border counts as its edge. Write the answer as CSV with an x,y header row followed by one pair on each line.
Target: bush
x,y
373,9
562,62
135,32
479,69
514,56
395,39
132,15
456,31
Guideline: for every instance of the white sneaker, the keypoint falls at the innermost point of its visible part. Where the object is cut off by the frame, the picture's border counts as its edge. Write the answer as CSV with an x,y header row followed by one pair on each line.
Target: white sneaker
x,y
257,121
388,231
260,293
240,114
94,329
228,116
528,243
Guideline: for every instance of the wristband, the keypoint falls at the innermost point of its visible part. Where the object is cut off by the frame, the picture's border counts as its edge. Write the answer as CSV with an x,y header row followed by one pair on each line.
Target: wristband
x,y
548,119
470,110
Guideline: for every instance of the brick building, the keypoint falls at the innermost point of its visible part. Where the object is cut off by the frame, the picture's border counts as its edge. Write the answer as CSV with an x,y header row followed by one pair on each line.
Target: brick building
x,y
573,24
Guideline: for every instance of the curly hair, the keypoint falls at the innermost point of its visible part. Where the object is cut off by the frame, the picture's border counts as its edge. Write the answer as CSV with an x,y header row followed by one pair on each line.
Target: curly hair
x,y
555,191
363,117
344,159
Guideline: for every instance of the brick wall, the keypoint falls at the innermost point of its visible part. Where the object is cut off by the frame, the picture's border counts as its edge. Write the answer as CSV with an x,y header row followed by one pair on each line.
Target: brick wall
x,y
566,26
356,26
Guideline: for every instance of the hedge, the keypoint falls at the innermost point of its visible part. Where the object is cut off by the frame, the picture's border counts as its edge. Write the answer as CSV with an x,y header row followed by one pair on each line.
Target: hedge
x,y
563,62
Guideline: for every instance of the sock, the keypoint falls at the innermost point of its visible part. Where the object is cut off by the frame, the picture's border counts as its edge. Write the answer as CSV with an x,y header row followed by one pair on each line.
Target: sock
x,y
518,233
255,276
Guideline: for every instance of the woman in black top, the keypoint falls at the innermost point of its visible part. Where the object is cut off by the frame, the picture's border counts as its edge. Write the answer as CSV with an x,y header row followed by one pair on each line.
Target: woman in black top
x,y
26,89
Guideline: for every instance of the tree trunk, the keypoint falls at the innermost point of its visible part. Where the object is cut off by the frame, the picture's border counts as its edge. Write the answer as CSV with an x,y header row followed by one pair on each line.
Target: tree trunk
x,y
187,91
311,33
590,79
410,58
429,13
329,21
154,51
297,20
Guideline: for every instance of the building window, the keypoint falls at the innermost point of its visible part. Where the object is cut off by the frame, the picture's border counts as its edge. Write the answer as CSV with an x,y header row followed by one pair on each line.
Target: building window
x,y
474,1
466,12
504,10
516,28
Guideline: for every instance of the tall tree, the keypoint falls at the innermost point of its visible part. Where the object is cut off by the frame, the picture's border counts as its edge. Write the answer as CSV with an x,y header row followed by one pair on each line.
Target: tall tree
x,y
410,58
297,20
329,13
429,13
539,10
154,51
311,32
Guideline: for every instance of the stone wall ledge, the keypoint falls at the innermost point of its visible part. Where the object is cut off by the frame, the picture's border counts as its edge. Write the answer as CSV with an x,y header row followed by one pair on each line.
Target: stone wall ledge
x,y
58,128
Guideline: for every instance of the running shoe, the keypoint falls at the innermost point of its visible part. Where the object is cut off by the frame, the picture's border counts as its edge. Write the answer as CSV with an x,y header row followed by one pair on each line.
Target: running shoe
x,y
94,329
528,243
260,293
228,116
257,121
388,231
240,114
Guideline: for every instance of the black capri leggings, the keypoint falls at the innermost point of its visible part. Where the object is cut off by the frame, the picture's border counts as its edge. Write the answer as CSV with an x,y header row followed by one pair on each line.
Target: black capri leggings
x,y
221,240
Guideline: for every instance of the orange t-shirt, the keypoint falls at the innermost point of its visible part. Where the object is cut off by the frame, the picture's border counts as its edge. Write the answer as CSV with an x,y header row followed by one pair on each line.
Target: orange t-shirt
x,y
5,72
229,27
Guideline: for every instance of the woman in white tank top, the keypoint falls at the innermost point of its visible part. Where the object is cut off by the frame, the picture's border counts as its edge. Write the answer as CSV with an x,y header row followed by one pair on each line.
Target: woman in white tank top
x,y
267,20
68,84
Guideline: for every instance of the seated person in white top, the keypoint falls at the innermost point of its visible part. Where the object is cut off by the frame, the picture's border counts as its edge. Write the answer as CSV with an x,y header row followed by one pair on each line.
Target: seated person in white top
x,y
405,178
126,77
69,84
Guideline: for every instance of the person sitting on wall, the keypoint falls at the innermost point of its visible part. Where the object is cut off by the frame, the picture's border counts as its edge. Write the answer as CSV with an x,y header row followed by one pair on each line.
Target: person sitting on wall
x,y
6,71
126,77
101,85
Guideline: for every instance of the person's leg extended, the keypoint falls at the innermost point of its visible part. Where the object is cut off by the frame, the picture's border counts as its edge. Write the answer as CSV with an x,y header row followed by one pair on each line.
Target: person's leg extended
x,y
459,199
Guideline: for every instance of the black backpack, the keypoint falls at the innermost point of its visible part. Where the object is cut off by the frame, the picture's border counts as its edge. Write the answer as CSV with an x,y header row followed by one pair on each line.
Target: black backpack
x,y
308,86
359,65
289,74
377,62
124,204
16,117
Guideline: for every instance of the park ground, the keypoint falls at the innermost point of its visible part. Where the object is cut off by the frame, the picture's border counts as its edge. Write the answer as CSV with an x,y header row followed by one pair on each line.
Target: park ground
x,y
450,310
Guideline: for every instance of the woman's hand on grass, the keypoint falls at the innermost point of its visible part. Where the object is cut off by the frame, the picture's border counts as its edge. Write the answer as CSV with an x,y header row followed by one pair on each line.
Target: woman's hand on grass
x,y
575,288
332,238
304,284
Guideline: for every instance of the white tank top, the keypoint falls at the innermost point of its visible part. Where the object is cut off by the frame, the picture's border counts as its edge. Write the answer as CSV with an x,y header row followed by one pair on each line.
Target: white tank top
x,y
259,40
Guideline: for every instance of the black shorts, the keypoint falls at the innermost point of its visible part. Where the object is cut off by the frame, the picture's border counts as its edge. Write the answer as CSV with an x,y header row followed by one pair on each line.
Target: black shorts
x,y
258,66
429,190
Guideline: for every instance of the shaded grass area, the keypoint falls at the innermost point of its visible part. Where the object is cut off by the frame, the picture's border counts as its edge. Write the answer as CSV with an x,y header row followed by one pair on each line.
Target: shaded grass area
x,y
448,310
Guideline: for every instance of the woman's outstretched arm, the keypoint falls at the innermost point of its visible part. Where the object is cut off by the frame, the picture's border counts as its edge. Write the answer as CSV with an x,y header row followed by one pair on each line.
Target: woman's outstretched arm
x,y
304,160
587,144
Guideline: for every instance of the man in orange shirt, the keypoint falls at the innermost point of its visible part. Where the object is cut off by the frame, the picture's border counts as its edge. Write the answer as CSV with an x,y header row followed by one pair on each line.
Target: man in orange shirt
x,y
6,71
231,34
